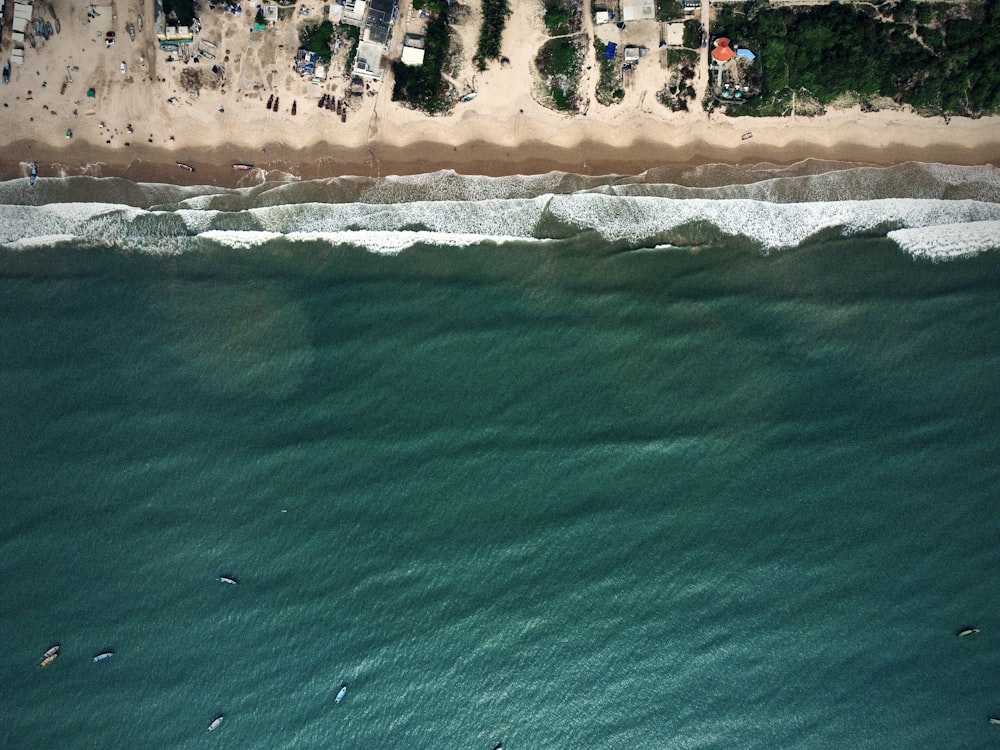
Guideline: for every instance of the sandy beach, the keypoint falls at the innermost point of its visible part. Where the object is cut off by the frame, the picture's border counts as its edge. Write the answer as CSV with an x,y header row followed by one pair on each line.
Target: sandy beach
x,y
149,110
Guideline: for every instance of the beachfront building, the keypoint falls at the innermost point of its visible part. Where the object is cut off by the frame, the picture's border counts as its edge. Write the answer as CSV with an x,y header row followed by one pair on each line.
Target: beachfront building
x,y
737,73
23,10
174,33
375,19
638,10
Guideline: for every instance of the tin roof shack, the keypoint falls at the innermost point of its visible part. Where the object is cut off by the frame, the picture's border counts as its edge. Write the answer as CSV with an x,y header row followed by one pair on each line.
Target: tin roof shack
x,y
305,62
413,50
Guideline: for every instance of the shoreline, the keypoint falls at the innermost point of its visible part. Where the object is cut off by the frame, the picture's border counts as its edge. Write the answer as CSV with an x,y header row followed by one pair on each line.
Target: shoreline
x,y
213,165
81,105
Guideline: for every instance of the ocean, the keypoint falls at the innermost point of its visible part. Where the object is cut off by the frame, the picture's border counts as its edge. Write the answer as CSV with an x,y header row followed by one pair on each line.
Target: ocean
x,y
700,458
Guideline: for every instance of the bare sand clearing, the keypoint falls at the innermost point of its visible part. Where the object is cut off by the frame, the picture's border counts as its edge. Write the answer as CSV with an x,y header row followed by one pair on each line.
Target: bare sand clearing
x,y
161,110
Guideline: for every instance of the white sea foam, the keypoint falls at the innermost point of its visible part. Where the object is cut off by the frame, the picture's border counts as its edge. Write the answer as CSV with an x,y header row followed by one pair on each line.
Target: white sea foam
x,y
772,225
239,240
947,241
391,243
517,217
381,242
636,221
197,221
24,222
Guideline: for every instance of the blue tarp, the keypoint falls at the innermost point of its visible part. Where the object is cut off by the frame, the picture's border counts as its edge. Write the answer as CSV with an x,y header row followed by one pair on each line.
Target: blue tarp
x,y
609,51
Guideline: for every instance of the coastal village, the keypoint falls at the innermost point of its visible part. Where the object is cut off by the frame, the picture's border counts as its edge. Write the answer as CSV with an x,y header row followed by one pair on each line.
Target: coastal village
x,y
180,76
260,57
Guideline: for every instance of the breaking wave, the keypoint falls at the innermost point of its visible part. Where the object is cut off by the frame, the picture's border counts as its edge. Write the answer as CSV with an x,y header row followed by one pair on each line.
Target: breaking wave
x,y
931,211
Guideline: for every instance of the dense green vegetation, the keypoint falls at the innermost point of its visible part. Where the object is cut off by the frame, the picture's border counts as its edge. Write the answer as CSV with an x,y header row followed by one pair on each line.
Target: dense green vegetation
x,y
558,63
669,10
424,87
833,49
557,18
182,10
692,34
682,57
316,38
609,88
352,35
495,14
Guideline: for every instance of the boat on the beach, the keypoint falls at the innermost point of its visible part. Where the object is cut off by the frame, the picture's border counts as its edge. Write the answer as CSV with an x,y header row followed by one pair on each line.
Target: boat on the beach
x,y
33,175
341,693
242,167
130,28
967,631
215,722
185,167
104,655
138,18
229,579
6,72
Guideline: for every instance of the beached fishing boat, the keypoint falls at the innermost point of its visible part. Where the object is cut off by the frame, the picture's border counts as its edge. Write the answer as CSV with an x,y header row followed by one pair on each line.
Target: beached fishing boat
x,y
242,167
104,655
185,167
33,176
139,21
215,722
6,72
131,30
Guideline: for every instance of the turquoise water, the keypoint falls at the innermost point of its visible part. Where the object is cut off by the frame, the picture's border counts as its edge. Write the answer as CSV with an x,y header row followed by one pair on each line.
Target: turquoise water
x,y
569,492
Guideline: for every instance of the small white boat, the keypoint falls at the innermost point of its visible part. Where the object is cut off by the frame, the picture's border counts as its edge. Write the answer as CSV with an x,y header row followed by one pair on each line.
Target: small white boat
x,y
103,656
215,722
994,720
51,652
341,693
967,631
33,174
229,579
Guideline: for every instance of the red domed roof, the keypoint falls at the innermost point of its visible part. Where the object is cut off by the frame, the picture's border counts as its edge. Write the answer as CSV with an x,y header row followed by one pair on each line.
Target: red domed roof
x,y
722,52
